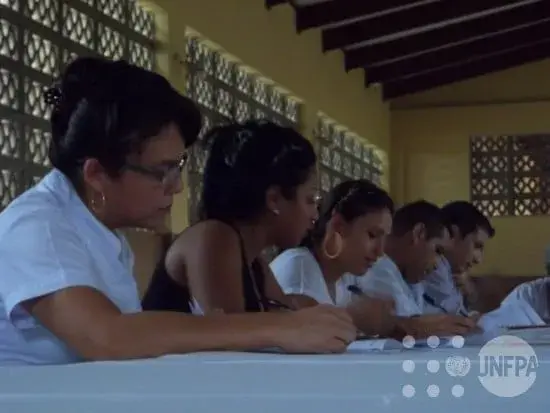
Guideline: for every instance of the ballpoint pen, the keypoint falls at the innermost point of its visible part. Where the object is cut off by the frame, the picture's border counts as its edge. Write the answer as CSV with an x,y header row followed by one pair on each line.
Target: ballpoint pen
x,y
432,302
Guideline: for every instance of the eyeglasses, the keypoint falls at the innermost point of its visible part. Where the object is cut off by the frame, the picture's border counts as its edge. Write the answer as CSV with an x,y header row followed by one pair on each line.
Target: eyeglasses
x,y
166,176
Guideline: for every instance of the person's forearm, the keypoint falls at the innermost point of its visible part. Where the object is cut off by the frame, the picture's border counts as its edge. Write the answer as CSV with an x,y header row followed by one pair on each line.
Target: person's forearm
x,y
153,334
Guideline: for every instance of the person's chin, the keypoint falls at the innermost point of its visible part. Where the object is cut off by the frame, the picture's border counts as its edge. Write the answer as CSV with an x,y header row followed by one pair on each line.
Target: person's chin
x,y
363,269
159,224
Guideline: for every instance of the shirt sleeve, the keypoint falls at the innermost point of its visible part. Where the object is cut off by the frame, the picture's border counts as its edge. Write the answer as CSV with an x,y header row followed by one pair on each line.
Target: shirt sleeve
x,y
379,281
533,293
299,274
383,282
40,255
440,287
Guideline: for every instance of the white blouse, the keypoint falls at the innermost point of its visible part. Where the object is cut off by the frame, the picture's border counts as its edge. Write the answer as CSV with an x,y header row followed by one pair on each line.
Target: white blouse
x,y
49,241
298,273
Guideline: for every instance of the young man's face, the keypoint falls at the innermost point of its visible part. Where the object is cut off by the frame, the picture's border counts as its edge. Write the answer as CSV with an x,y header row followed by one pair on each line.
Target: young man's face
x,y
466,252
424,255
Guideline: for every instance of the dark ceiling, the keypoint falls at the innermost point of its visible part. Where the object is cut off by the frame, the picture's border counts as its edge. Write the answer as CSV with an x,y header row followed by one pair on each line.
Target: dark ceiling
x,y
413,46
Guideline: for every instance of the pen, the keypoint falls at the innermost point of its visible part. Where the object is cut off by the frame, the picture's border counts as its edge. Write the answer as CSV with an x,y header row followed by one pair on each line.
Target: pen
x,y
355,290
278,305
366,294
432,302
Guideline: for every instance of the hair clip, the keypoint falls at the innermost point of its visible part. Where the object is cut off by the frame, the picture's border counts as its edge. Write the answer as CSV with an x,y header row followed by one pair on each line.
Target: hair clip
x,y
284,152
350,193
241,137
53,96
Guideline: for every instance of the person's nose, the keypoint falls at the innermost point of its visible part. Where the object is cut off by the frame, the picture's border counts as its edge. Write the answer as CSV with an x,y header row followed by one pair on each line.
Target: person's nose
x,y
379,250
477,258
175,185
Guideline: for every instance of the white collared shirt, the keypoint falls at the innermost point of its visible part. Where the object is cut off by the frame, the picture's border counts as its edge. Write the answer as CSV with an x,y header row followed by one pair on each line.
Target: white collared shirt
x,y
441,288
49,241
298,273
384,279
535,293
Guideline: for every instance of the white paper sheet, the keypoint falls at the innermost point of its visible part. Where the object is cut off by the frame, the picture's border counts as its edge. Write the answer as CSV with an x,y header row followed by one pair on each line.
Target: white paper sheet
x,y
367,346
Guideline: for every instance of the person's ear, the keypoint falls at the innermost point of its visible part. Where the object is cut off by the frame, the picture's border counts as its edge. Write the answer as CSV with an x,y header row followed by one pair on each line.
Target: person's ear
x,y
455,232
95,175
274,200
337,224
418,233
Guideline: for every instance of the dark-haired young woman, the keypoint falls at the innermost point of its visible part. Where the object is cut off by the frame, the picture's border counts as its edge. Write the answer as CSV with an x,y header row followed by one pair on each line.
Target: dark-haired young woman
x,y
346,240
259,191
119,139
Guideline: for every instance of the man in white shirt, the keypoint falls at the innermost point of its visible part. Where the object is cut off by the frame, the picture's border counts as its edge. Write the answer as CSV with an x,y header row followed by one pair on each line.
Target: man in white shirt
x,y
536,294
417,240
448,288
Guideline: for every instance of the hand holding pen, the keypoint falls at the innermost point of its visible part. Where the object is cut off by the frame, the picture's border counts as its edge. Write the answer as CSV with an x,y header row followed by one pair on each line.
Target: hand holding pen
x,y
373,315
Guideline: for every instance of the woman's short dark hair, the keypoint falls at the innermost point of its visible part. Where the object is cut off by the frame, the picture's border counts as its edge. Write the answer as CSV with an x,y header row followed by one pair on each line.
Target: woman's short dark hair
x,y
351,199
244,161
108,109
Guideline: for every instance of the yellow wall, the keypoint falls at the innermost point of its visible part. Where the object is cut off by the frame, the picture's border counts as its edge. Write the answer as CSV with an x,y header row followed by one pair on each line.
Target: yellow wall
x,y
430,159
266,40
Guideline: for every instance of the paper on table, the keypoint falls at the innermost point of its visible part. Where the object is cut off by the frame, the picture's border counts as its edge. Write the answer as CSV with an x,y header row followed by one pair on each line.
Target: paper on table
x,y
366,346
534,336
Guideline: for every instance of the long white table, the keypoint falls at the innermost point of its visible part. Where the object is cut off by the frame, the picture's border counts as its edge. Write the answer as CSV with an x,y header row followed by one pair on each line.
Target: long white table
x,y
258,382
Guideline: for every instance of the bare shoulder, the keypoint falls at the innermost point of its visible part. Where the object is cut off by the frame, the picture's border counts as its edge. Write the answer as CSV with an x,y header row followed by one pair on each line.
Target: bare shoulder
x,y
212,236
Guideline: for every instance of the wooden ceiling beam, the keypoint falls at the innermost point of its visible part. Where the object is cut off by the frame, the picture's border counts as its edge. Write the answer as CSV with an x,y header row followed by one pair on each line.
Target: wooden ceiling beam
x,y
329,12
460,53
483,26
272,3
405,20
467,70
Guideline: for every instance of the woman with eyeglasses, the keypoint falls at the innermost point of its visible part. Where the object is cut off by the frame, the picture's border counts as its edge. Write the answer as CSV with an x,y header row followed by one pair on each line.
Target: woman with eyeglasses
x,y
259,191
348,237
67,292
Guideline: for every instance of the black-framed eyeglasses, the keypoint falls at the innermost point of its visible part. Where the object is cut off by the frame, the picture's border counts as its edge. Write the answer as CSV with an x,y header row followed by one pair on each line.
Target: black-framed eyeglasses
x,y
167,176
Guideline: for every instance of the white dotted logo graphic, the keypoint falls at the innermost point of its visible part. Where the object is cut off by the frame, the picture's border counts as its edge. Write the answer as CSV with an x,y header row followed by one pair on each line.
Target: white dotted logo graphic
x,y
455,366
508,366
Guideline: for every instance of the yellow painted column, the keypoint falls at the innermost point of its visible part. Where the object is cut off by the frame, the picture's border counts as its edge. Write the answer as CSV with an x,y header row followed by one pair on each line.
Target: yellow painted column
x,y
170,60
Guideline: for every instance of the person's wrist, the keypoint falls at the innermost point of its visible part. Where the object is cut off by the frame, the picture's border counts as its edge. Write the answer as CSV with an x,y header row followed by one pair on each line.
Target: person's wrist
x,y
272,333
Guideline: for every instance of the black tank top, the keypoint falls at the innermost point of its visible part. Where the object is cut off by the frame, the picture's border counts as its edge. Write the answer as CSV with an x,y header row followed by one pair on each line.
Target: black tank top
x,y
165,294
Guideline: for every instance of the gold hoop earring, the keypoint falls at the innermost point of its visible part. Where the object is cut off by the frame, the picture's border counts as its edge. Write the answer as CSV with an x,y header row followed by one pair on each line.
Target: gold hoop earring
x,y
339,241
96,206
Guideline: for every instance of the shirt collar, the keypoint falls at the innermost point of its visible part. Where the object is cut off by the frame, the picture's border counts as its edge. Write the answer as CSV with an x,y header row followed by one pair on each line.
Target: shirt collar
x,y
443,262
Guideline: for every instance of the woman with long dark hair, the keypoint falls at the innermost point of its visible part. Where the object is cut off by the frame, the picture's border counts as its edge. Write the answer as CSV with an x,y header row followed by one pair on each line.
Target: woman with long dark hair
x,y
259,191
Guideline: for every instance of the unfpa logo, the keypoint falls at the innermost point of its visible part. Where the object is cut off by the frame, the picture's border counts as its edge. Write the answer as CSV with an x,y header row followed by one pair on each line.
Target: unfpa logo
x,y
508,366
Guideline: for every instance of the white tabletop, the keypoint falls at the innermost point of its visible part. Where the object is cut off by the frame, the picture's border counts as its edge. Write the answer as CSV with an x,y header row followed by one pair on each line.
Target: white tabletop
x,y
248,382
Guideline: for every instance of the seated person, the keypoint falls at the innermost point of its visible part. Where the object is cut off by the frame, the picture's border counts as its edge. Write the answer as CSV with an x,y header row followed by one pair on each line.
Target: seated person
x,y
528,304
259,191
348,237
417,238
448,288
119,143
